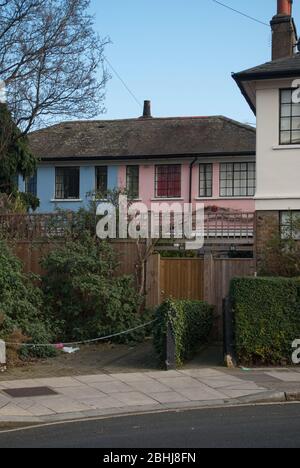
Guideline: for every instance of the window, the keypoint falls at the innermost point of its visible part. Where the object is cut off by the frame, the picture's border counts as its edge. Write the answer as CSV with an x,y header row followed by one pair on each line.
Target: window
x,y
14,182
237,179
290,225
66,183
289,119
133,181
31,184
205,180
168,181
101,180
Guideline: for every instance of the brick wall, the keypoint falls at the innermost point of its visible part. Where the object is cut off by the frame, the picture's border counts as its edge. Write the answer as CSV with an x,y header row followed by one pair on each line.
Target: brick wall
x,y
266,226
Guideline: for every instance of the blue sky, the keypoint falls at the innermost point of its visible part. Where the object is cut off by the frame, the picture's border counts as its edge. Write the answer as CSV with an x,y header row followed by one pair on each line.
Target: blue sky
x,y
180,54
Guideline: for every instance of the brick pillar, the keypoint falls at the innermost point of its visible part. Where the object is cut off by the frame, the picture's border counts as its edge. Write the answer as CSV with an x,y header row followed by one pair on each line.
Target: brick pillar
x,y
267,225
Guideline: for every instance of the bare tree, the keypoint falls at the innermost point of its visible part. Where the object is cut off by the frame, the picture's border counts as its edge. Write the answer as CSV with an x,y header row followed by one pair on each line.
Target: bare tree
x,y
51,60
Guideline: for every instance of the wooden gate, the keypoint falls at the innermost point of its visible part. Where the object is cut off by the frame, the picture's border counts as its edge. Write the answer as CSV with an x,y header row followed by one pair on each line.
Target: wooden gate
x,y
182,278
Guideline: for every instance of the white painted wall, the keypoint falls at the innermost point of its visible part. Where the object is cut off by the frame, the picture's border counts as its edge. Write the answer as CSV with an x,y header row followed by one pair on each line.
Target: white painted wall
x,y
278,167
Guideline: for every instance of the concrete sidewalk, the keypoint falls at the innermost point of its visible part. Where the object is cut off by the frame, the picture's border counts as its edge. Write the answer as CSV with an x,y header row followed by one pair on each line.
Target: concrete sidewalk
x,y
109,394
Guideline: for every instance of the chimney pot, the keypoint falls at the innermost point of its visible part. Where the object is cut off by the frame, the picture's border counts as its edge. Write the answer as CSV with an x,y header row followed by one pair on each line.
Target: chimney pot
x,y
284,7
147,110
284,33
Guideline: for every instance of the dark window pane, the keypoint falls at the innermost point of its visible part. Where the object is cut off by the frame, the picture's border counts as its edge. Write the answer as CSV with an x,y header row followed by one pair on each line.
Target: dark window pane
x,y
67,183
285,110
296,123
290,225
285,138
168,181
205,180
31,184
289,119
286,96
101,180
237,180
296,110
133,181
295,137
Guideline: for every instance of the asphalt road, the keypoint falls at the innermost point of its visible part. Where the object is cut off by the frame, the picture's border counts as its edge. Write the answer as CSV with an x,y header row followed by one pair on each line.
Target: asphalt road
x,y
256,426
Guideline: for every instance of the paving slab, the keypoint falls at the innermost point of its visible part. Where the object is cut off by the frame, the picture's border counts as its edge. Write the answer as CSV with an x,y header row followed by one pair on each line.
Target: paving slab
x,y
30,383
203,373
237,393
285,376
179,382
39,410
134,377
241,386
220,382
158,374
111,387
168,397
150,386
202,393
59,382
135,399
97,378
105,403
80,393
65,405
13,410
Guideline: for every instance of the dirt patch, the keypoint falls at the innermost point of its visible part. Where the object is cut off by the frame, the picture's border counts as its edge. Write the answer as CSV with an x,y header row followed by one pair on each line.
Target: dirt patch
x,y
101,358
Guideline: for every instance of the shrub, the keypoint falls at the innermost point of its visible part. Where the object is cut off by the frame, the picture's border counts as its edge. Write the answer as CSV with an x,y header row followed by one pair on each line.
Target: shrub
x,y
21,305
191,322
281,255
266,318
83,295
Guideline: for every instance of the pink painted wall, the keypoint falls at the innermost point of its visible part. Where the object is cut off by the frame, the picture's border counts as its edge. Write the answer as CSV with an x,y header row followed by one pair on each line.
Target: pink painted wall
x,y
147,188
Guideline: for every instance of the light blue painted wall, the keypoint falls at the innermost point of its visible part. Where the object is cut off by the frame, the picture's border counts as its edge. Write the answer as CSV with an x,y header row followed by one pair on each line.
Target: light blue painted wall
x,y
21,184
112,177
46,187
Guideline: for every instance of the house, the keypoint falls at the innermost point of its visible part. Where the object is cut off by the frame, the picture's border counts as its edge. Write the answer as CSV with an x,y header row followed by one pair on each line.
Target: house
x,y
211,159
268,88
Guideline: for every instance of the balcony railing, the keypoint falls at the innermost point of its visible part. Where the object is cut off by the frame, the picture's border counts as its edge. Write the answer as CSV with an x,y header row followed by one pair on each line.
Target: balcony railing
x,y
218,226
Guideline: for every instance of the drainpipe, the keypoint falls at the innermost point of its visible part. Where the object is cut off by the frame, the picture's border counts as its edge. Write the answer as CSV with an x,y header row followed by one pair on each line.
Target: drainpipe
x,y
191,177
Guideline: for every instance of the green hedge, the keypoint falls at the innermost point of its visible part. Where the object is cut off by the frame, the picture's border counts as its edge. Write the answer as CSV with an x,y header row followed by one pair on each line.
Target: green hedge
x,y
191,323
266,318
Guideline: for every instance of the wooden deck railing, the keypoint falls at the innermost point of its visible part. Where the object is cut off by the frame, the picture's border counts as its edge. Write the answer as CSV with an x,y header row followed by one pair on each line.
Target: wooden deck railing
x,y
30,227
219,226
231,226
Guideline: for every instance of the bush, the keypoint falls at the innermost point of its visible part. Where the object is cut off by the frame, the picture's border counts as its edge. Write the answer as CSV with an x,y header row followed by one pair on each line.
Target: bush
x,y
83,295
281,256
266,318
191,323
21,305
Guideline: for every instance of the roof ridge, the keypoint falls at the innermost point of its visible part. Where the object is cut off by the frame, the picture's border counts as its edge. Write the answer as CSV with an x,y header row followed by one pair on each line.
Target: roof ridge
x,y
110,121
239,124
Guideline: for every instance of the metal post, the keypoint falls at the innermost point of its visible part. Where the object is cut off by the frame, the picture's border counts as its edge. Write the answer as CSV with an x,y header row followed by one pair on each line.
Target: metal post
x,y
2,355
228,334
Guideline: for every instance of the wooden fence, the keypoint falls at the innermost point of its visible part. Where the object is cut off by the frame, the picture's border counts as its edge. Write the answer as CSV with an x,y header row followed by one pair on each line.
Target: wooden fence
x,y
205,278
182,278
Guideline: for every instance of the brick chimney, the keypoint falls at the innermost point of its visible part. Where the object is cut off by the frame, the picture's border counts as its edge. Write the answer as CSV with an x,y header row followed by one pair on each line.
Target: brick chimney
x,y
284,33
147,110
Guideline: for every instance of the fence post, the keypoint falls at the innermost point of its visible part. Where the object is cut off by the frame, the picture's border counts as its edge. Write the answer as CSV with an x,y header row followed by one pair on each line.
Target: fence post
x,y
208,276
228,334
171,347
153,281
2,355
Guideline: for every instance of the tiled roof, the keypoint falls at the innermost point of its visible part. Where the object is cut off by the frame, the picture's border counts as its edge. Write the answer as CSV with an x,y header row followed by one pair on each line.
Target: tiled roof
x,y
282,68
142,137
